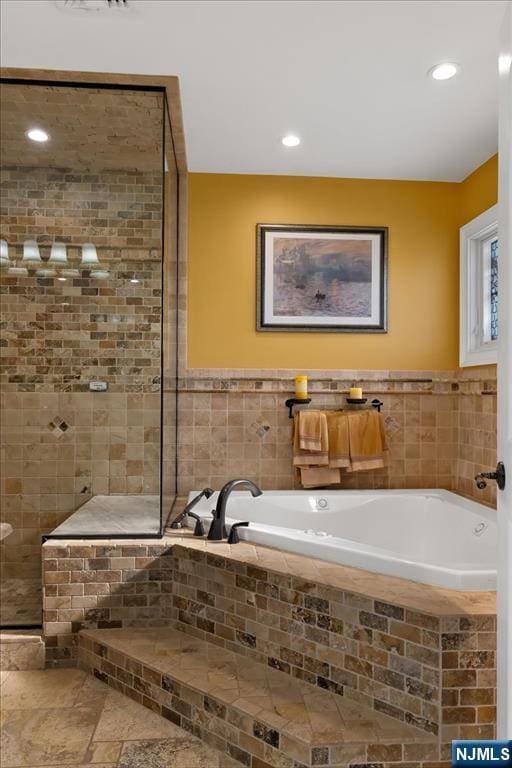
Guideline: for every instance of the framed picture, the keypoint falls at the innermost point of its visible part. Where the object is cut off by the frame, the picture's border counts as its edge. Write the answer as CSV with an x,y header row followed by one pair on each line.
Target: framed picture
x,y
321,278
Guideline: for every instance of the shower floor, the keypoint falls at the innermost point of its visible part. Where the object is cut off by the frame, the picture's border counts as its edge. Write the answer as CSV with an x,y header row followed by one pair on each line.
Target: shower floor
x,y
20,602
115,515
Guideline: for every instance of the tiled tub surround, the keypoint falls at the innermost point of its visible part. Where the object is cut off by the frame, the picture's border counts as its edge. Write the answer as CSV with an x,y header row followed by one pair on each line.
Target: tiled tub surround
x,y
420,655
476,443
255,714
441,427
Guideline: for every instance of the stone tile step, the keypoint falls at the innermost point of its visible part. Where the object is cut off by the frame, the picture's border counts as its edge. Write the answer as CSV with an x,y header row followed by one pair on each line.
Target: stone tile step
x,y
246,709
21,649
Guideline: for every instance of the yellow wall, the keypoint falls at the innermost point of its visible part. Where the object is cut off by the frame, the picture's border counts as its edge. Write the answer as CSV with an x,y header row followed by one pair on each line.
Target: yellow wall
x,y
479,190
423,220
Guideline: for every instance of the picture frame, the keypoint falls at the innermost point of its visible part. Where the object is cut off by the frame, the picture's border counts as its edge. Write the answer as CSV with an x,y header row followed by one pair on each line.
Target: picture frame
x,y
318,278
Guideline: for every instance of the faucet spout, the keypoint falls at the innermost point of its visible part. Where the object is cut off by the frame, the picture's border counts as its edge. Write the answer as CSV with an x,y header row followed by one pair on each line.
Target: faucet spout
x,y
217,530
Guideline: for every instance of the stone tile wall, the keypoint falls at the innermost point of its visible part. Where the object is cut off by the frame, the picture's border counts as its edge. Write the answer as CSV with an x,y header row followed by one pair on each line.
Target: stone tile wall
x,y
229,434
420,668
103,586
235,727
60,443
476,445
441,429
57,336
374,653
468,696
113,209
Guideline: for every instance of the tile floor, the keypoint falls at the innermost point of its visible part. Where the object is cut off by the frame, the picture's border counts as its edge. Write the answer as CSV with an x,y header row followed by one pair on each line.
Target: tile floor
x,y
67,719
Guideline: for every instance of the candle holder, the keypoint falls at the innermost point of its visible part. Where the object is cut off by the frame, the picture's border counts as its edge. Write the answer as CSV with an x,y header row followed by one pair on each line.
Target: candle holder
x,y
295,401
357,404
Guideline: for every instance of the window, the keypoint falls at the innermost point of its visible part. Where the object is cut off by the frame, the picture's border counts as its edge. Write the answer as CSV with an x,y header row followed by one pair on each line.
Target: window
x,y
479,248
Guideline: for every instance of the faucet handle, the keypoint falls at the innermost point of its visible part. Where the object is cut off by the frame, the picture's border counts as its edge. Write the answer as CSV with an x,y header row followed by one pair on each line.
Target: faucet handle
x,y
234,538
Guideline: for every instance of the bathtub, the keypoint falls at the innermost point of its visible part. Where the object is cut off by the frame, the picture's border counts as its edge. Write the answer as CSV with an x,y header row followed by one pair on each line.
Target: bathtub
x,y
430,536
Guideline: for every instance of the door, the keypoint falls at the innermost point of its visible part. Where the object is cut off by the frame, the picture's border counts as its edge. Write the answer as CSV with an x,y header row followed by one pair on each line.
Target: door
x,y
504,702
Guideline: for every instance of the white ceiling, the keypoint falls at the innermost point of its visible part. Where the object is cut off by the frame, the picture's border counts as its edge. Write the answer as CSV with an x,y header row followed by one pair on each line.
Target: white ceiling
x,y
348,76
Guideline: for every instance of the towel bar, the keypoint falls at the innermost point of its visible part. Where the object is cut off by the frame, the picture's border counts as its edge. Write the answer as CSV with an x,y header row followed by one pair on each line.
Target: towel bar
x,y
375,403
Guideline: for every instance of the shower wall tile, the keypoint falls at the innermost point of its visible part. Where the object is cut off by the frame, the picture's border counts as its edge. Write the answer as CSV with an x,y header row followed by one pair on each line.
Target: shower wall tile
x,y
46,476
58,336
114,209
61,444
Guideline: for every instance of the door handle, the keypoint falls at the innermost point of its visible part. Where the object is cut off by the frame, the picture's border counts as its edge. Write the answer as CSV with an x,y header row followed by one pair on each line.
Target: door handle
x,y
498,475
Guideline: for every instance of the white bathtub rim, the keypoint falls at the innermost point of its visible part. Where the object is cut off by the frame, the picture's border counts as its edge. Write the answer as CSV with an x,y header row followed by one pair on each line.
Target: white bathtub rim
x,y
471,580
351,553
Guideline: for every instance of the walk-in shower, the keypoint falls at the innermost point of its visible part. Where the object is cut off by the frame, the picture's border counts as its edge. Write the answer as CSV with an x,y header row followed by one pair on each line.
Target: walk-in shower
x,y
88,329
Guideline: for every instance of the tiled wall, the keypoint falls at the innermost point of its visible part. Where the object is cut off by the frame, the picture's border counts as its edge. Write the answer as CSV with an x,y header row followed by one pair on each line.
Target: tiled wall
x,y
60,443
437,427
435,672
113,209
56,336
477,444
468,696
100,586
371,652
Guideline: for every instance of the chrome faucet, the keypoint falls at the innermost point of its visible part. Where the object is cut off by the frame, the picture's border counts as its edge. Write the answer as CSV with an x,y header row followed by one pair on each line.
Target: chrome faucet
x,y
217,530
178,521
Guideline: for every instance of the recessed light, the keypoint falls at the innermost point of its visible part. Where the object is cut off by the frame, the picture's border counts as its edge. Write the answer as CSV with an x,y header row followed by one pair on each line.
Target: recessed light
x,y
62,279
37,134
444,71
134,280
290,140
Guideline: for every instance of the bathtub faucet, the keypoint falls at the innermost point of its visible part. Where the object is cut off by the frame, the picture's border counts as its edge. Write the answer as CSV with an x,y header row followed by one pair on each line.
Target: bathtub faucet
x,y
217,530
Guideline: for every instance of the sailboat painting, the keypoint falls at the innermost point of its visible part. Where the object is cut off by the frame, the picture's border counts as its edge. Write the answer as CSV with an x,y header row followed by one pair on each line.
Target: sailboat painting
x,y
321,278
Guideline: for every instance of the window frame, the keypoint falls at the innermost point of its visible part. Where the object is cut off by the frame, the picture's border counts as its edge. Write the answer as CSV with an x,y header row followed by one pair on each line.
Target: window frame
x,y
475,239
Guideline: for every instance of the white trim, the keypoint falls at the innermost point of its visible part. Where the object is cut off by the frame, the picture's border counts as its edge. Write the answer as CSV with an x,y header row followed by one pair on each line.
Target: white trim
x,y
504,420
474,349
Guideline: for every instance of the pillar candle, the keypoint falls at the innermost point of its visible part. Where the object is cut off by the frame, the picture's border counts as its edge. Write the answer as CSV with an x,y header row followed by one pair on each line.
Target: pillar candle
x,y
356,393
301,387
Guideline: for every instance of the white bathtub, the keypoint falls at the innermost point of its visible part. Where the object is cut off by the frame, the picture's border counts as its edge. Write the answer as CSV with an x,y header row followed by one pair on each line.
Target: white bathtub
x,y
431,536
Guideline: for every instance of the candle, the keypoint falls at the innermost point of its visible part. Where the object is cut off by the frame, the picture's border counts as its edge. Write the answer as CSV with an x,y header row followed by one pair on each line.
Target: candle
x,y
301,387
356,393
